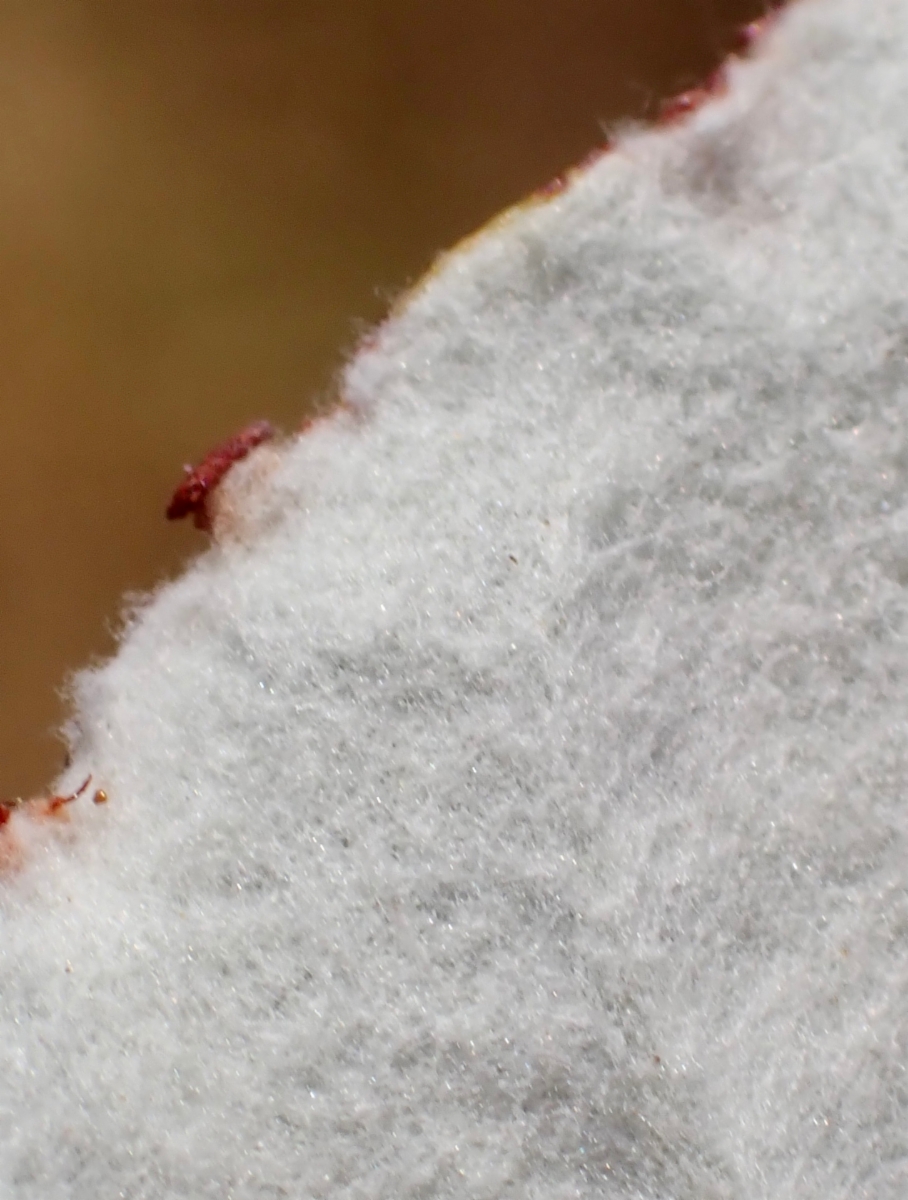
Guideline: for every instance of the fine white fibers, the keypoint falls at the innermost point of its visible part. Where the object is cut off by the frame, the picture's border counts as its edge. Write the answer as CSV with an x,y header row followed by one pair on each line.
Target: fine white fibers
x,y
515,807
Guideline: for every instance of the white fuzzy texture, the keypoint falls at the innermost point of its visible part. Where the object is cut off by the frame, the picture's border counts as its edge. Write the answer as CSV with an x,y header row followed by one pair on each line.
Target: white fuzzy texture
x,y
515,807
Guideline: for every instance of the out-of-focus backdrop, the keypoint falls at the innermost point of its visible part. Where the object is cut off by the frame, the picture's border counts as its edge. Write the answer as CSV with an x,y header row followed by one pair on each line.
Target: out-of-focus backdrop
x,y
202,204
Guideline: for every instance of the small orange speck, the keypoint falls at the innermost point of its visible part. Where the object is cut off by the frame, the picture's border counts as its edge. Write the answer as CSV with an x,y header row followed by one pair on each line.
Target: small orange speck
x,y
100,796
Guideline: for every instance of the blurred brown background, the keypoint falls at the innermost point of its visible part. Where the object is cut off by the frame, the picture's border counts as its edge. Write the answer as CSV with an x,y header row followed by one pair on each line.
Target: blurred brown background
x,y
201,204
